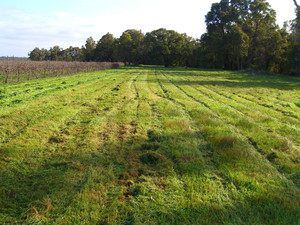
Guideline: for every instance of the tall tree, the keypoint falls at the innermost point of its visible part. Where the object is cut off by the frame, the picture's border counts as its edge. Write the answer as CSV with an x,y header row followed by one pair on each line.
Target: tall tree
x,y
157,49
297,20
168,47
105,48
72,54
88,49
295,47
39,54
125,48
221,21
137,46
260,25
56,53
238,43
242,33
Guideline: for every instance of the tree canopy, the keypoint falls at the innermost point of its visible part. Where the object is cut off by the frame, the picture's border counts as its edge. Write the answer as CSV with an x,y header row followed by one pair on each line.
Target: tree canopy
x,y
240,34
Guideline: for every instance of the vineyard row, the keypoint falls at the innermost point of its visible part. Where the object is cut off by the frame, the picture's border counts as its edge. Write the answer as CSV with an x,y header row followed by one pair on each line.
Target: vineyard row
x,y
16,71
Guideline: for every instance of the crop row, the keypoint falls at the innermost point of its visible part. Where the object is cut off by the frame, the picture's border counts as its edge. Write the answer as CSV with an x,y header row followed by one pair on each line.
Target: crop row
x,y
16,71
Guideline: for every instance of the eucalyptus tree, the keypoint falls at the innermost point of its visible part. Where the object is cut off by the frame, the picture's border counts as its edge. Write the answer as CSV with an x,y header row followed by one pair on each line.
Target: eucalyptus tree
x,y
295,53
242,33
137,46
72,54
168,47
89,49
56,53
105,48
39,54
125,48
297,20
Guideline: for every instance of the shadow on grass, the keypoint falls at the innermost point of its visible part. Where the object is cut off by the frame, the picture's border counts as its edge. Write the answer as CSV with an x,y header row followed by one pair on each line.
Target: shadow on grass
x,y
205,193
240,83
165,165
234,79
252,211
30,190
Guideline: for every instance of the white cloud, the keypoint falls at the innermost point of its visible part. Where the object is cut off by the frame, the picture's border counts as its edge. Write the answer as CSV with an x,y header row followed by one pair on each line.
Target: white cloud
x,y
22,30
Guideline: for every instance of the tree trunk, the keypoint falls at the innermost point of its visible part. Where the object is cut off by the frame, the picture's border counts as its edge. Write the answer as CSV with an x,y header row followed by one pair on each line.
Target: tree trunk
x,y
296,32
297,20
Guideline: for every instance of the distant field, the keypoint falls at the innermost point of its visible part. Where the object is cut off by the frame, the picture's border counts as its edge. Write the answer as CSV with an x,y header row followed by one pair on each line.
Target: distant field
x,y
151,145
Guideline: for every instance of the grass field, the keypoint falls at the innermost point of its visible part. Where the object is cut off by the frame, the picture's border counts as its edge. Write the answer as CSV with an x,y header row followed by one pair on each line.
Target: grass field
x,y
151,145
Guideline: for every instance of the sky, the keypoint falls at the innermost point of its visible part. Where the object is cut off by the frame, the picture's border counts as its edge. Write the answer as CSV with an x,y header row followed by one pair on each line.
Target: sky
x,y
26,24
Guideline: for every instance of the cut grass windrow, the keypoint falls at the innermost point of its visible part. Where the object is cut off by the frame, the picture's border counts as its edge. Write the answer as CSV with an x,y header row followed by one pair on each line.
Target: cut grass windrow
x,y
229,115
26,115
149,145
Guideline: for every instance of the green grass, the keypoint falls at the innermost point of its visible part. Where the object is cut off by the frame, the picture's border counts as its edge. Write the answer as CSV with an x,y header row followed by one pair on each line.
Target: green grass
x,y
151,145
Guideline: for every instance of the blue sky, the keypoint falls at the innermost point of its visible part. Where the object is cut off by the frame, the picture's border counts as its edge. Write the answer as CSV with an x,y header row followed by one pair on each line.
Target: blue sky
x,y
26,24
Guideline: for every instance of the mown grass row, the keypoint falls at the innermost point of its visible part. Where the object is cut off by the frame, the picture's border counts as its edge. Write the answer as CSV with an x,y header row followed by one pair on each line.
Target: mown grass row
x,y
38,138
272,134
149,145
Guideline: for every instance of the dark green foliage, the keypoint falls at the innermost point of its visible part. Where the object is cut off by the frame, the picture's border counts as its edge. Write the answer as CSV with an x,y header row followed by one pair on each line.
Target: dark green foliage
x,y
56,53
105,49
240,35
168,48
89,50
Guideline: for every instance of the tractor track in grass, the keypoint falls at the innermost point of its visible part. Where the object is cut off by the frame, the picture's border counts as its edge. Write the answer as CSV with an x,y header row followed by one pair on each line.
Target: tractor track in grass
x,y
217,92
155,113
192,97
207,154
105,97
107,130
228,105
237,131
83,107
31,122
234,108
127,128
80,129
141,147
251,140
140,96
138,92
166,95
115,108
263,105
208,150
38,91
271,107
289,129
137,97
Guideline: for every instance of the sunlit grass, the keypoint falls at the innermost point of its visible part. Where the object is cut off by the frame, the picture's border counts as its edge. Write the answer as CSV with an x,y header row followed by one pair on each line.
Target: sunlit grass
x,y
150,145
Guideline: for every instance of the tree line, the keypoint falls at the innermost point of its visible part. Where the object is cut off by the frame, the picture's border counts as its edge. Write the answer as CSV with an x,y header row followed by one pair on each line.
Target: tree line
x,y
240,34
